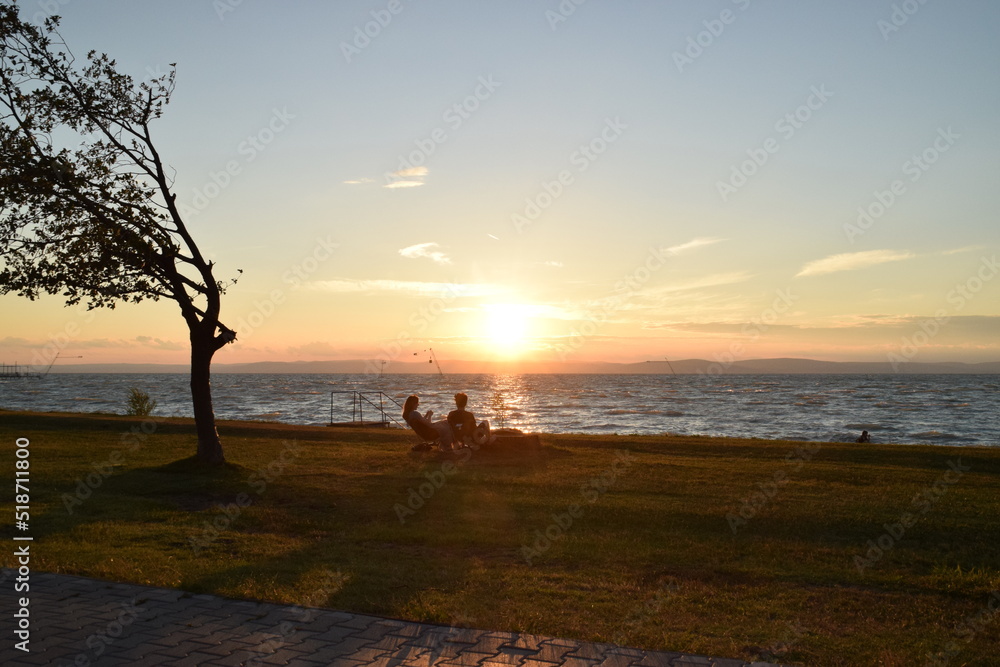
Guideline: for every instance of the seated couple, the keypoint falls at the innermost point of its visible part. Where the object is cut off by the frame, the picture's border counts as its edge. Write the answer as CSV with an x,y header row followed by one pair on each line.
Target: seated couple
x,y
458,430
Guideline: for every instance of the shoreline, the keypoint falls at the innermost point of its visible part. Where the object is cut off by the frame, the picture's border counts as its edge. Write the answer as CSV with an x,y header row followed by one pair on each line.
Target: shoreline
x,y
392,429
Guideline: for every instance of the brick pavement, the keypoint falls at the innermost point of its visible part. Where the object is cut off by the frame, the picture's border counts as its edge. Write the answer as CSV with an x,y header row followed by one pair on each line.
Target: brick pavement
x,y
81,622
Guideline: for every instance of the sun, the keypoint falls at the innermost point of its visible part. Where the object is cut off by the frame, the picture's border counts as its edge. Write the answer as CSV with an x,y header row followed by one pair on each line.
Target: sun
x,y
507,326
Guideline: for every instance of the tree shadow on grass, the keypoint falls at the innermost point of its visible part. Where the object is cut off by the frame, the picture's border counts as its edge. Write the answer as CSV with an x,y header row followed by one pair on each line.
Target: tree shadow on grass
x,y
104,495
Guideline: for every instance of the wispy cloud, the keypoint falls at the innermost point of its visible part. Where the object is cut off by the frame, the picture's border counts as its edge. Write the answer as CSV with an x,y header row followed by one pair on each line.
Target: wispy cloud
x,y
691,245
968,248
713,280
404,287
360,181
425,250
850,261
159,343
407,178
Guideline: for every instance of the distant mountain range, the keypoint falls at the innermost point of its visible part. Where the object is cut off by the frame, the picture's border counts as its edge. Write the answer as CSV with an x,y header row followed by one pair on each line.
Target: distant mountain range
x,y
682,366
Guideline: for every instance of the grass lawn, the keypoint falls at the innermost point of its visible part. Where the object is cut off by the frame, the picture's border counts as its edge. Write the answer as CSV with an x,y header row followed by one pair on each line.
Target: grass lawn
x,y
752,549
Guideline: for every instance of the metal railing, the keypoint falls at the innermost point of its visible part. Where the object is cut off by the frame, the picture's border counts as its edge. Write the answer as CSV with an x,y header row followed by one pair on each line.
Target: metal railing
x,y
358,401
16,371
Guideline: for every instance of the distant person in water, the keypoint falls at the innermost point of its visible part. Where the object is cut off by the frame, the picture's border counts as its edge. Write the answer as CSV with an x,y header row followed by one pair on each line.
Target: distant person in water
x,y
439,431
864,437
463,423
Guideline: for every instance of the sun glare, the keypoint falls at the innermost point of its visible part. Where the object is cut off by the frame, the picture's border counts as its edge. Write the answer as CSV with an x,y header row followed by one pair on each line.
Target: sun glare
x,y
507,326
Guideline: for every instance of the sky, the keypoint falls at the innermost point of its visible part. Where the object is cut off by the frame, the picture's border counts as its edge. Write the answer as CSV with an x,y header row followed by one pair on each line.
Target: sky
x,y
582,180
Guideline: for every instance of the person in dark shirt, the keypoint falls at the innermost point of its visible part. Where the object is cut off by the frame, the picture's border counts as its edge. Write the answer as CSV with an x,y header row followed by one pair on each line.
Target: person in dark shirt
x,y
463,423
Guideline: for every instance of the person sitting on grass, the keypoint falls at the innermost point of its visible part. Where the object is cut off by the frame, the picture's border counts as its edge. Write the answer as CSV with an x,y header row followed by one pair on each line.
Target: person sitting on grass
x,y
439,432
463,423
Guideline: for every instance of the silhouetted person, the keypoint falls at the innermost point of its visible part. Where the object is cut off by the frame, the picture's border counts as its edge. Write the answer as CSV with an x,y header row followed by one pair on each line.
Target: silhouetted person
x,y
864,437
464,423
439,431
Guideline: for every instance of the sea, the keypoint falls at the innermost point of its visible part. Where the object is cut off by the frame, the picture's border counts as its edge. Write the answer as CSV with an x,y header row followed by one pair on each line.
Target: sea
x,y
958,410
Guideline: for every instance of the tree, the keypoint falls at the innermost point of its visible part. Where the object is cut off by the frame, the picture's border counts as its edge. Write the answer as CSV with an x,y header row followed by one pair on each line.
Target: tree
x,y
86,205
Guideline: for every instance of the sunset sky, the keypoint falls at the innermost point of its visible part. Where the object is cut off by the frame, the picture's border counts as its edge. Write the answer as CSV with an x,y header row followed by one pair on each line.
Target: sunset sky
x,y
514,180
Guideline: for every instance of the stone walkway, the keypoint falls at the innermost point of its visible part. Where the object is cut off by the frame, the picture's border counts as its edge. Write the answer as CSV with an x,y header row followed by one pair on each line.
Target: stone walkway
x,y
82,622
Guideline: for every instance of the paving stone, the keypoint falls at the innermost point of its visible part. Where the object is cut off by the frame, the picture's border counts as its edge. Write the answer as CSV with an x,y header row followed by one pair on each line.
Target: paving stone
x,y
551,652
656,659
692,661
616,660
590,651
464,636
466,659
570,661
192,660
490,644
178,628
526,641
336,634
506,659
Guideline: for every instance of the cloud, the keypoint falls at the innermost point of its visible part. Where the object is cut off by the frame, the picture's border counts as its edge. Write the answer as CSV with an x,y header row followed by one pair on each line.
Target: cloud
x,y
691,245
968,248
159,343
850,261
425,250
714,280
406,287
360,181
407,178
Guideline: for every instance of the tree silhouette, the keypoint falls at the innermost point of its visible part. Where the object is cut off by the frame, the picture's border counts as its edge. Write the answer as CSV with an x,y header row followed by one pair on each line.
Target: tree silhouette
x,y
86,206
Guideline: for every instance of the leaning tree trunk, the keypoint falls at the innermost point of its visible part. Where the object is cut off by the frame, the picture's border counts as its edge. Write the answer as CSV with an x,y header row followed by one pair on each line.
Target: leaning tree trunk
x,y
203,347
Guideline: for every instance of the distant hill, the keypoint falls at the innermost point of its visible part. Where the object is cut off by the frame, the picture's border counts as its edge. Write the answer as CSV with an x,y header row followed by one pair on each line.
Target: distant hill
x,y
681,366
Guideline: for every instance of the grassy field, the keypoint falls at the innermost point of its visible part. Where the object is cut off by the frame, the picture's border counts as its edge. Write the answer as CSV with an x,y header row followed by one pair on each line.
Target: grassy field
x,y
738,548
